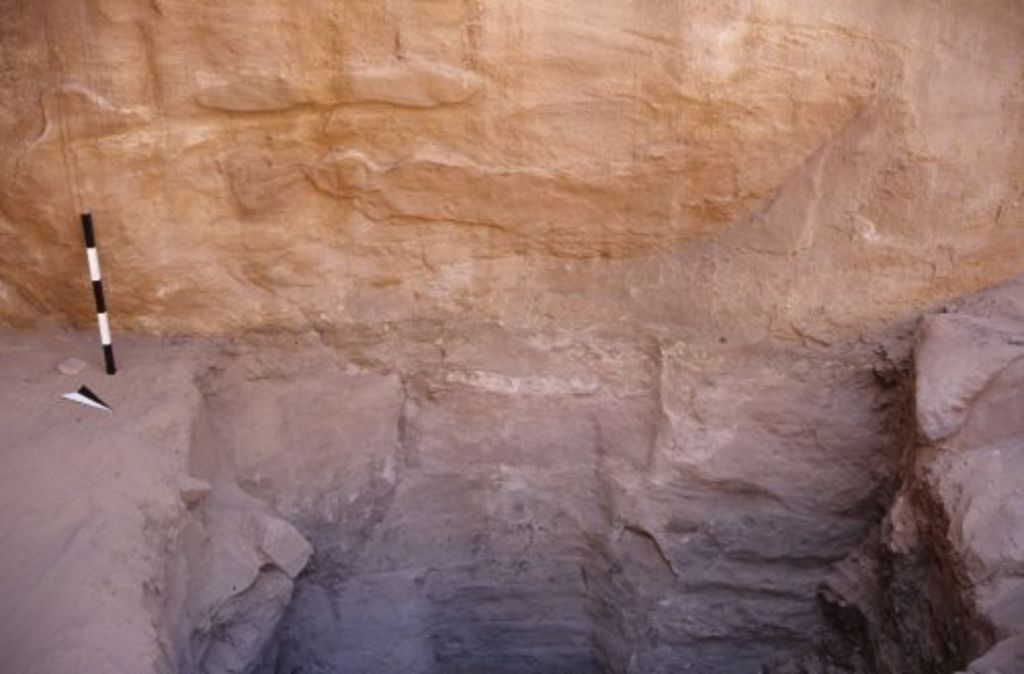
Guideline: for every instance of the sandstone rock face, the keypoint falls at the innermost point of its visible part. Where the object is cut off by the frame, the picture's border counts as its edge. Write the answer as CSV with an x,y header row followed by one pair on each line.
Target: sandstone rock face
x,y
680,163
481,499
563,322
944,590
970,385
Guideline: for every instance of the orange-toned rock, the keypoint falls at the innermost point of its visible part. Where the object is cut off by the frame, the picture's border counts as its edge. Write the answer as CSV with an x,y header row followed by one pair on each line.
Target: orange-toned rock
x,y
751,167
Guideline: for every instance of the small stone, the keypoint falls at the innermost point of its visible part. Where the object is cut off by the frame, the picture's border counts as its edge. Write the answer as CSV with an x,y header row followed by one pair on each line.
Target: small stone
x,y
285,546
193,491
72,366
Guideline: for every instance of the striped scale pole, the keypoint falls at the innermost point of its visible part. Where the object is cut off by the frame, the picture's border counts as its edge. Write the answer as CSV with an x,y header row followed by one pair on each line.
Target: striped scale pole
x,y
97,292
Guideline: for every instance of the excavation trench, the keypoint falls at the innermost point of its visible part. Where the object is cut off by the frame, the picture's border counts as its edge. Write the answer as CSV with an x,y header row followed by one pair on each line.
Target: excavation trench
x,y
506,502
430,499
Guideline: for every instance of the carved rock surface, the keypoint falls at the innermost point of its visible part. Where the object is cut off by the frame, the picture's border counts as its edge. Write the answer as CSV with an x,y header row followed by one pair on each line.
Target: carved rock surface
x,y
758,167
561,502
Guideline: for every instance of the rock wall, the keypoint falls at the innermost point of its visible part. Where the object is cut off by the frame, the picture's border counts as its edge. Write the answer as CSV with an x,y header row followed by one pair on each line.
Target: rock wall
x,y
941,587
481,499
751,167
580,302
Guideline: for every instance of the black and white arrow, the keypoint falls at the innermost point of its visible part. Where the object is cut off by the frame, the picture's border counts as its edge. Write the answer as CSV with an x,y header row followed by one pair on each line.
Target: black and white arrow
x,y
83,396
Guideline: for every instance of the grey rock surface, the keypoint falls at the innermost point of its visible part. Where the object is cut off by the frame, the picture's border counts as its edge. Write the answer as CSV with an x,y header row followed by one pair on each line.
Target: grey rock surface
x,y
481,499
